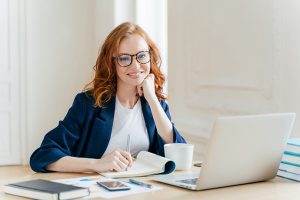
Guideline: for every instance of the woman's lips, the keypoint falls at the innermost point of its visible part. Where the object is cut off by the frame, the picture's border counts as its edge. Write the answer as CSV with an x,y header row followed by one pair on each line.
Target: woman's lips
x,y
135,74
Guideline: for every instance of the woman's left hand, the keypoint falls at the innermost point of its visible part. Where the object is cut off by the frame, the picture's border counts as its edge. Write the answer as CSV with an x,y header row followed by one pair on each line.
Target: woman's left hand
x,y
147,87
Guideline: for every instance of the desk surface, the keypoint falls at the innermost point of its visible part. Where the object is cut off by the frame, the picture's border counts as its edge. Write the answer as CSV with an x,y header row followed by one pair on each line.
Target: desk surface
x,y
277,188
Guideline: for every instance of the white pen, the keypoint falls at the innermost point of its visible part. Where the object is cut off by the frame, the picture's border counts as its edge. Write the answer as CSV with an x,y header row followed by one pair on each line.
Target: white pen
x,y
128,145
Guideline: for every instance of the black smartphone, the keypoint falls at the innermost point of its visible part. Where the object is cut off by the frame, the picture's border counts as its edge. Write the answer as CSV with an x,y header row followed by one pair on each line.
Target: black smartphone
x,y
113,185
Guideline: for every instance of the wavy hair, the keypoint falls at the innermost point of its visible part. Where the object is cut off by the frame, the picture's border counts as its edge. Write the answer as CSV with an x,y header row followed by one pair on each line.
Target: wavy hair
x,y
104,84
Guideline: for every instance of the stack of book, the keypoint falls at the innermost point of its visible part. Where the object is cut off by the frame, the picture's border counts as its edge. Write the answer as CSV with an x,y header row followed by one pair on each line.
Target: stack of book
x,y
290,163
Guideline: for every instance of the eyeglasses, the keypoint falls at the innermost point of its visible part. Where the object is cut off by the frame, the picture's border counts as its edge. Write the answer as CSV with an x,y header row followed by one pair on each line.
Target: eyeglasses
x,y
124,60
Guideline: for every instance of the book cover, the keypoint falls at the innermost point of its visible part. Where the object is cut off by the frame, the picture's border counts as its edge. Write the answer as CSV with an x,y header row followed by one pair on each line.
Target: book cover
x,y
290,158
145,164
288,163
293,146
288,175
288,167
45,189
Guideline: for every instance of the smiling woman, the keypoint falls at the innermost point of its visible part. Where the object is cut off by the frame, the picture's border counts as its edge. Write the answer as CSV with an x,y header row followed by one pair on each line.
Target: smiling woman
x,y
125,98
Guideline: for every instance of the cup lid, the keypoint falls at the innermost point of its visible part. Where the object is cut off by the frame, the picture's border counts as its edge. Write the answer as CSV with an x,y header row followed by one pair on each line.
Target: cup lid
x,y
179,145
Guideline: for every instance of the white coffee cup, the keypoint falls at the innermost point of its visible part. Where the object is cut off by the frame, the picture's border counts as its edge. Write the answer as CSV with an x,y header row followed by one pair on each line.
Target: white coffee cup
x,y
181,154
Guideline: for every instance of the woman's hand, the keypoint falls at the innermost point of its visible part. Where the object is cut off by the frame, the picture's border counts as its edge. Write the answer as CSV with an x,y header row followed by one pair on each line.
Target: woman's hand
x,y
147,88
163,124
118,160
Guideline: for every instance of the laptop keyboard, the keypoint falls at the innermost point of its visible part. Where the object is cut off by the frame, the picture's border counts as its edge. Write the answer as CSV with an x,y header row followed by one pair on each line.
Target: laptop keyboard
x,y
192,181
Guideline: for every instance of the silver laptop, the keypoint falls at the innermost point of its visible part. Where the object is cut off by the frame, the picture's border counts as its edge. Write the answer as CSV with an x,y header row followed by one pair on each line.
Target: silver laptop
x,y
242,149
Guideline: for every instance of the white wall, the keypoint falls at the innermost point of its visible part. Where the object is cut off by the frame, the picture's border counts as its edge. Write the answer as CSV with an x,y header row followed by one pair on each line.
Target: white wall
x,y
231,58
10,83
61,50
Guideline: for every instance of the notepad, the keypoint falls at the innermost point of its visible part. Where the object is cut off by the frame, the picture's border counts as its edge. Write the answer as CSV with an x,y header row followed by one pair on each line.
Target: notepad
x,y
44,189
145,164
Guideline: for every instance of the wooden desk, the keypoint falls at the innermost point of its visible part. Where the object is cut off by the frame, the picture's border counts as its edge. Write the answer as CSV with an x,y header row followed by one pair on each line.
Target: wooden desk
x,y
277,188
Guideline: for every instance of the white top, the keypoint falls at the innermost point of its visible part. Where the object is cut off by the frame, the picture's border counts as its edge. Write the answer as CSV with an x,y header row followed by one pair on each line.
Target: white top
x,y
128,121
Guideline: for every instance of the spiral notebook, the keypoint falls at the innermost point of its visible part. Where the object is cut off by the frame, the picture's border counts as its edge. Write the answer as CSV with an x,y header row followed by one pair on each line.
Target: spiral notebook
x,y
145,164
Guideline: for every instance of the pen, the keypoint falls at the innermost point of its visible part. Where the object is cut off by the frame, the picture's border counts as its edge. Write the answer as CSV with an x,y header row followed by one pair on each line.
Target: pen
x,y
128,145
147,185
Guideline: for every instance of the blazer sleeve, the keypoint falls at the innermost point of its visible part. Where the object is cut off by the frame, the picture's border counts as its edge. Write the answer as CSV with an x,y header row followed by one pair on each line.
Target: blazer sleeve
x,y
60,141
177,138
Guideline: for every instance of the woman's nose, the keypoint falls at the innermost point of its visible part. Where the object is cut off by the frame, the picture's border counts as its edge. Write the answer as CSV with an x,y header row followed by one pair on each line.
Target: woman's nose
x,y
135,63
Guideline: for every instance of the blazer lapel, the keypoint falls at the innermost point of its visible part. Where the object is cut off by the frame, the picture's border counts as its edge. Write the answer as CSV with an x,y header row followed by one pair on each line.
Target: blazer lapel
x,y
108,111
105,122
149,121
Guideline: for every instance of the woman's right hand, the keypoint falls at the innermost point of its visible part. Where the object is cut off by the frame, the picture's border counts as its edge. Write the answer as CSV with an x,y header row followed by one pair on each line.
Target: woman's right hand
x,y
118,160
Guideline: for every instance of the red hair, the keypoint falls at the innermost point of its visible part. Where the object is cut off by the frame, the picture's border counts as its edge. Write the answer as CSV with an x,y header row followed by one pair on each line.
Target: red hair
x,y
104,85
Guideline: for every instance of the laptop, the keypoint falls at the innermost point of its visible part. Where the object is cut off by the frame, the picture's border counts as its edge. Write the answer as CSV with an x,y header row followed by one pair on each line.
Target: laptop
x,y
241,149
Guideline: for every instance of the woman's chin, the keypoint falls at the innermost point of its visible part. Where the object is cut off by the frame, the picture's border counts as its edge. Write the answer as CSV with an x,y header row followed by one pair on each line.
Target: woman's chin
x,y
137,82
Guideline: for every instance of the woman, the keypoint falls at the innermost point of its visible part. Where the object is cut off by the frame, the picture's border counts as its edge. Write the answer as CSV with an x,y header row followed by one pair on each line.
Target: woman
x,y
125,98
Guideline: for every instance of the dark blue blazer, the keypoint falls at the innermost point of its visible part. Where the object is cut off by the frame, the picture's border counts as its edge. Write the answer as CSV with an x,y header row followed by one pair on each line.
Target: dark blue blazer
x,y
86,131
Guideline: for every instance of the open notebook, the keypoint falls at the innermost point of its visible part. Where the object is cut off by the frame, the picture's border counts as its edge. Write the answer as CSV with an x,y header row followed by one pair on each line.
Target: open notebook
x,y
145,164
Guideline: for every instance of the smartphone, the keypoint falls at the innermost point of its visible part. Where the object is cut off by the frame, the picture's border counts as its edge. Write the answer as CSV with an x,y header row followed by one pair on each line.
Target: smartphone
x,y
113,185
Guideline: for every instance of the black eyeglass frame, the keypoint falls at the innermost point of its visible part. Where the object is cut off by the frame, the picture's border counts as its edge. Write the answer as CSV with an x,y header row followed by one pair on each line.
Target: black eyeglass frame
x,y
131,56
